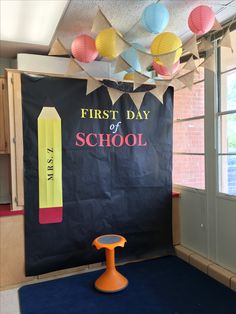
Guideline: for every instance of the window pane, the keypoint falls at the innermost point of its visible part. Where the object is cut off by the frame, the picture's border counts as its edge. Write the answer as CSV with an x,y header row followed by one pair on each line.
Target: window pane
x,y
228,91
189,170
228,59
227,175
227,132
188,136
189,103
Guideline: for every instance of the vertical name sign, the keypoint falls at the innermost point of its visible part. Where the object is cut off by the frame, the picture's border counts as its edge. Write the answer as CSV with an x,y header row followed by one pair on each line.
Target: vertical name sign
x,y
50,166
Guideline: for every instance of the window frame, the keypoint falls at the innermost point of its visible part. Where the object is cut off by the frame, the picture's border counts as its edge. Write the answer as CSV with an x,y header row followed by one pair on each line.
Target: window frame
x,y
218,140
193,154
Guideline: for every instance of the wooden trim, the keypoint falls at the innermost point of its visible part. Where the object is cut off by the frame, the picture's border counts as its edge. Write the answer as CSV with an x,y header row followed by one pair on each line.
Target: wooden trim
x,y
6,116
2,120
18,138
12,140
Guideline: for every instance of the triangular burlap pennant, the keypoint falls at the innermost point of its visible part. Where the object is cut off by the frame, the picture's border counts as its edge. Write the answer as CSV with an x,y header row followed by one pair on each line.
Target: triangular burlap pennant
x,y
226,40
137,99
92,84
121,44
217,26
191,46
114,94
176,84
73,67
190,64
160,89
145,59
187,79
121,65
168,59
58,49
204,45
139,79
209,63
100,22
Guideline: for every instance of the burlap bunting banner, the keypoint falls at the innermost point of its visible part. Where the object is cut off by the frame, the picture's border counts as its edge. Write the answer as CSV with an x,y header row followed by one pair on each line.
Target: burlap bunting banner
x,y
144,59
121,65
121,44
204,45
217,26
191,46
187,79
73,67
92,85
114,94
209,63
137,98
58,49
139,79
100,22
168,59
159,91
226,40
176,84
190,65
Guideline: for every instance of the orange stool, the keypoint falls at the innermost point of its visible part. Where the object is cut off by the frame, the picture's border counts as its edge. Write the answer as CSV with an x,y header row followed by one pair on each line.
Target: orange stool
x,y
111,280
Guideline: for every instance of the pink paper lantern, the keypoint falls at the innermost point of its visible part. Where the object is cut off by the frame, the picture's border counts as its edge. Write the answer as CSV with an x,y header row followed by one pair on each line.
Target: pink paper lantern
x,y
83,48
201,20
162,70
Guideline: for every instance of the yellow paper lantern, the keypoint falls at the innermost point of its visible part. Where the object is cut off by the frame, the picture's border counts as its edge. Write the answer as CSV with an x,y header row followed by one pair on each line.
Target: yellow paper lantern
x,y
129,76
164,43
106,43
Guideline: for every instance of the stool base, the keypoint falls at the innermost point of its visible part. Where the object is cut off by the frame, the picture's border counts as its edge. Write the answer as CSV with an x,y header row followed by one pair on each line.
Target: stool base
x,y
111,281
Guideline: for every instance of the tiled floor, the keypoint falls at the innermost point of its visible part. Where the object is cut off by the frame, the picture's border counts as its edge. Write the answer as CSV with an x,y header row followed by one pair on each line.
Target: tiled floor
x,y
9,303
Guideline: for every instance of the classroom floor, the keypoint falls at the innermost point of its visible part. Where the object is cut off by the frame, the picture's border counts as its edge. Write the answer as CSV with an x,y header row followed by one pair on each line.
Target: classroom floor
x,y
174,287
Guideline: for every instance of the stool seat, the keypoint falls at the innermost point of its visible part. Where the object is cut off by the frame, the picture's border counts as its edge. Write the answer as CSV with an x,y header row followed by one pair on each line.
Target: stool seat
x,y
109,241
111,280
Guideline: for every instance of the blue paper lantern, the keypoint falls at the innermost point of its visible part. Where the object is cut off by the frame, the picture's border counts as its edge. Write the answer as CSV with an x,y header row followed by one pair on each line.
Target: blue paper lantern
x,y
155,18
130,56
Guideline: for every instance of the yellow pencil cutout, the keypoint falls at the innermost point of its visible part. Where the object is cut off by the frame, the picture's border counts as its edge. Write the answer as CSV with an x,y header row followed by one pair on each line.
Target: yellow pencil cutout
x,y
50,166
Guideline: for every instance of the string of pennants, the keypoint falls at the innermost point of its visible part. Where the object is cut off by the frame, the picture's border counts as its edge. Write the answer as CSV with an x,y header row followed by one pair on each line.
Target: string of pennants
x,y
183,78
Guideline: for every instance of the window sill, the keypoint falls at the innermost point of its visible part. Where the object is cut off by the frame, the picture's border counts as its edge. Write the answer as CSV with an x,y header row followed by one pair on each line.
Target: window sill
x,y
5,210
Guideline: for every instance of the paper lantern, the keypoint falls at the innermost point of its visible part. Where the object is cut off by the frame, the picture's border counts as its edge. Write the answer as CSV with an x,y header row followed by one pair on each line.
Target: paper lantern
x,y
129,76
83,48
162,70
155,18
131,56
201,20
106,43
165,43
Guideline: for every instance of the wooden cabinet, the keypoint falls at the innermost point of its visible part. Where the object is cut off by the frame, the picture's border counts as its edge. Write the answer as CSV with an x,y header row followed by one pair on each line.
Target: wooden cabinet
x,y
4,118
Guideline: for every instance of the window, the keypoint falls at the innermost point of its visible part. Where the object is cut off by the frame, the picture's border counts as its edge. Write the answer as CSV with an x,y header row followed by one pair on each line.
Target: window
x,y
188,135
227,120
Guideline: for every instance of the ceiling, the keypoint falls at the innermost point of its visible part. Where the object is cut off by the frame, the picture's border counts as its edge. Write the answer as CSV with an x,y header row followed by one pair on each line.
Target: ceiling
x,y
124,15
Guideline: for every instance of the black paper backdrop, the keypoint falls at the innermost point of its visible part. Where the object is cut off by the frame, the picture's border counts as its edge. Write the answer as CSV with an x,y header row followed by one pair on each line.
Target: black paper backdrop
x,y
123,190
